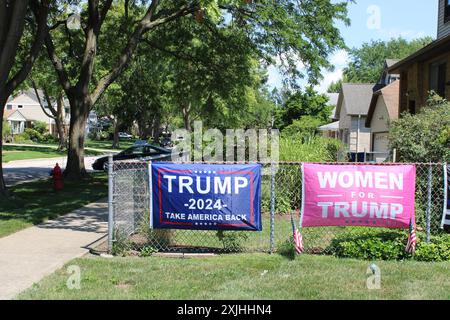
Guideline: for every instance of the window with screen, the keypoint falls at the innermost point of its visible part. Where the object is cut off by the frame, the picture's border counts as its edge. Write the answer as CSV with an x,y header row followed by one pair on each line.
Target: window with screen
x,y
438,78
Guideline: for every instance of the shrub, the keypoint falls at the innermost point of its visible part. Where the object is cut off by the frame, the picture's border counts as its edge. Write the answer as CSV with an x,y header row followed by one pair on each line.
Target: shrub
x,y
122,244
376,244
288,178
105,135
33,134
437,250
287,249
22,138
147,251
48,138
304,128
318,149
159,238
94,135
233,241
287,191
423,137
6,130
40,127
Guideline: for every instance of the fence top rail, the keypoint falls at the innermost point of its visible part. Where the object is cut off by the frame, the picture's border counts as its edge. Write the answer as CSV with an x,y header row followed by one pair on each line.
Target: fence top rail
x,y
284,163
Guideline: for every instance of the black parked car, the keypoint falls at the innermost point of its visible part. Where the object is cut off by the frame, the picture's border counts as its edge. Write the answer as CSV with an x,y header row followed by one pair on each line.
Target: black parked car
x,y
141,152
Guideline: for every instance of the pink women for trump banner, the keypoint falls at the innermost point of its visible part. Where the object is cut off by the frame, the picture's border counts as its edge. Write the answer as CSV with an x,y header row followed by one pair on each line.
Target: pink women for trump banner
x,y
358,195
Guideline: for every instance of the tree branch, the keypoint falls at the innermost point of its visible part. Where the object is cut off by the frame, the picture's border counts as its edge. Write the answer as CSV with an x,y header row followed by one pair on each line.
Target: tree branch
x,y
104,11
57,63
12,34
4,21
181,56
40,11
149,21
57,24
49,103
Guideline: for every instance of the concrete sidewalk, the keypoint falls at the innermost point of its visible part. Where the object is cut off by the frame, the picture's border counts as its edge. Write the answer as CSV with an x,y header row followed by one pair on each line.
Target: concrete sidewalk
x,y
29,255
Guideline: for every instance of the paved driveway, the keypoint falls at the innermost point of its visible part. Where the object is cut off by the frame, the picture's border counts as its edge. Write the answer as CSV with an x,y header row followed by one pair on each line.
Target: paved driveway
x,y
29,170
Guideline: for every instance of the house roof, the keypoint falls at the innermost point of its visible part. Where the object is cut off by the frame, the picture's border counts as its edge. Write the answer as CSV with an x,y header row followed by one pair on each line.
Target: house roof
x,y
13,112
330,127
333,99
30,93
434,49
391,97
391,62
7,113
357,98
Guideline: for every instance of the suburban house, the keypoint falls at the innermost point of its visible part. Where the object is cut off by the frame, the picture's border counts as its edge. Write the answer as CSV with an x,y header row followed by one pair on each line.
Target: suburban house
x,y
352,108
331,130
383,108
23,110
427,69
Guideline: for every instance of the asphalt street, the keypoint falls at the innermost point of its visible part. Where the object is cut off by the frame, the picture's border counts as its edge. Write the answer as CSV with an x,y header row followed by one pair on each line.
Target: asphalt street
x,y
30,170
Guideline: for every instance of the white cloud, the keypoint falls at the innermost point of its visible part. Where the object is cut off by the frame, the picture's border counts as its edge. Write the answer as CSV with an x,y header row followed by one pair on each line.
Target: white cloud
x,y
328,78
340,58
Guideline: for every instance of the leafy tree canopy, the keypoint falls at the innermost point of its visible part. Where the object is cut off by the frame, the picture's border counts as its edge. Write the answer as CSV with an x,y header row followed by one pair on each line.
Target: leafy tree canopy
x,y
304,103
424,137
367,62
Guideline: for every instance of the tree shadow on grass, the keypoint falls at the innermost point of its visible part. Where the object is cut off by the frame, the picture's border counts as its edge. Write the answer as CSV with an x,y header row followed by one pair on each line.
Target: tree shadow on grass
x,y
36,202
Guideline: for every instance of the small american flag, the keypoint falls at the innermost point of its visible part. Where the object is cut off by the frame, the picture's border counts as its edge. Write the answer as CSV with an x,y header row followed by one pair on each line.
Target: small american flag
x,y
411,245
298,240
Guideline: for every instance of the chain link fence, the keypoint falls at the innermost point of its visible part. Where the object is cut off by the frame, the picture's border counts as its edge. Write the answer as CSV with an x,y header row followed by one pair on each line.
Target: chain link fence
x,y
281,199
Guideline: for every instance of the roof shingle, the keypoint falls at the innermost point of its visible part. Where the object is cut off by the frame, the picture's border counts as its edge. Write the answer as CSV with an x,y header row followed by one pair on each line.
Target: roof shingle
x,y
357,97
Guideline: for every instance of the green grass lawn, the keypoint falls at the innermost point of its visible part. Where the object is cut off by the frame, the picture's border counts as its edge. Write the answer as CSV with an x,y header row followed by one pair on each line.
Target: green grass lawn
x,y
34,202
12,153
244,276
124,144
90,144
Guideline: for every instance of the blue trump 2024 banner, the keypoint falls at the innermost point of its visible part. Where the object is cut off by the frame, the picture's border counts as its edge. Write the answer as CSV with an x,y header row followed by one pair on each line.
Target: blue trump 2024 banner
x,y
206,196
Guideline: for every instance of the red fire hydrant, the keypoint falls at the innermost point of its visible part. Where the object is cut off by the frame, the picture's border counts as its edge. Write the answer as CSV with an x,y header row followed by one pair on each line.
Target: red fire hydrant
x,y
57,178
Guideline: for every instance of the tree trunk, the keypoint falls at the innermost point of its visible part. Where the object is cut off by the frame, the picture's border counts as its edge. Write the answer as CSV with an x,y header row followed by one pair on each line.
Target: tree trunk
x,y
186,117
156,129
59,121
116,140
79,112
3,190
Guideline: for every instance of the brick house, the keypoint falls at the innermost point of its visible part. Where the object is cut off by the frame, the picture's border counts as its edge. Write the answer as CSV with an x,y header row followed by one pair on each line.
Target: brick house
x,y
427,69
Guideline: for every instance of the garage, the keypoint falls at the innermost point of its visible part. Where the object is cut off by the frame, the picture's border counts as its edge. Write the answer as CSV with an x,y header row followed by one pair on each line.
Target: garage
x,y
380,142
380,146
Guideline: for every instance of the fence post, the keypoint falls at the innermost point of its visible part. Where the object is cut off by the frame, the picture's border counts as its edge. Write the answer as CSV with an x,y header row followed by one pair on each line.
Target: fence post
x,y
430,176
394,155
272,208
110,203
446,195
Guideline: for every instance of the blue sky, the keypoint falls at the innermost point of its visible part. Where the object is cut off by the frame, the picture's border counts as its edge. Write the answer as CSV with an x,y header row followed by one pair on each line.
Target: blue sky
x,y
377,19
